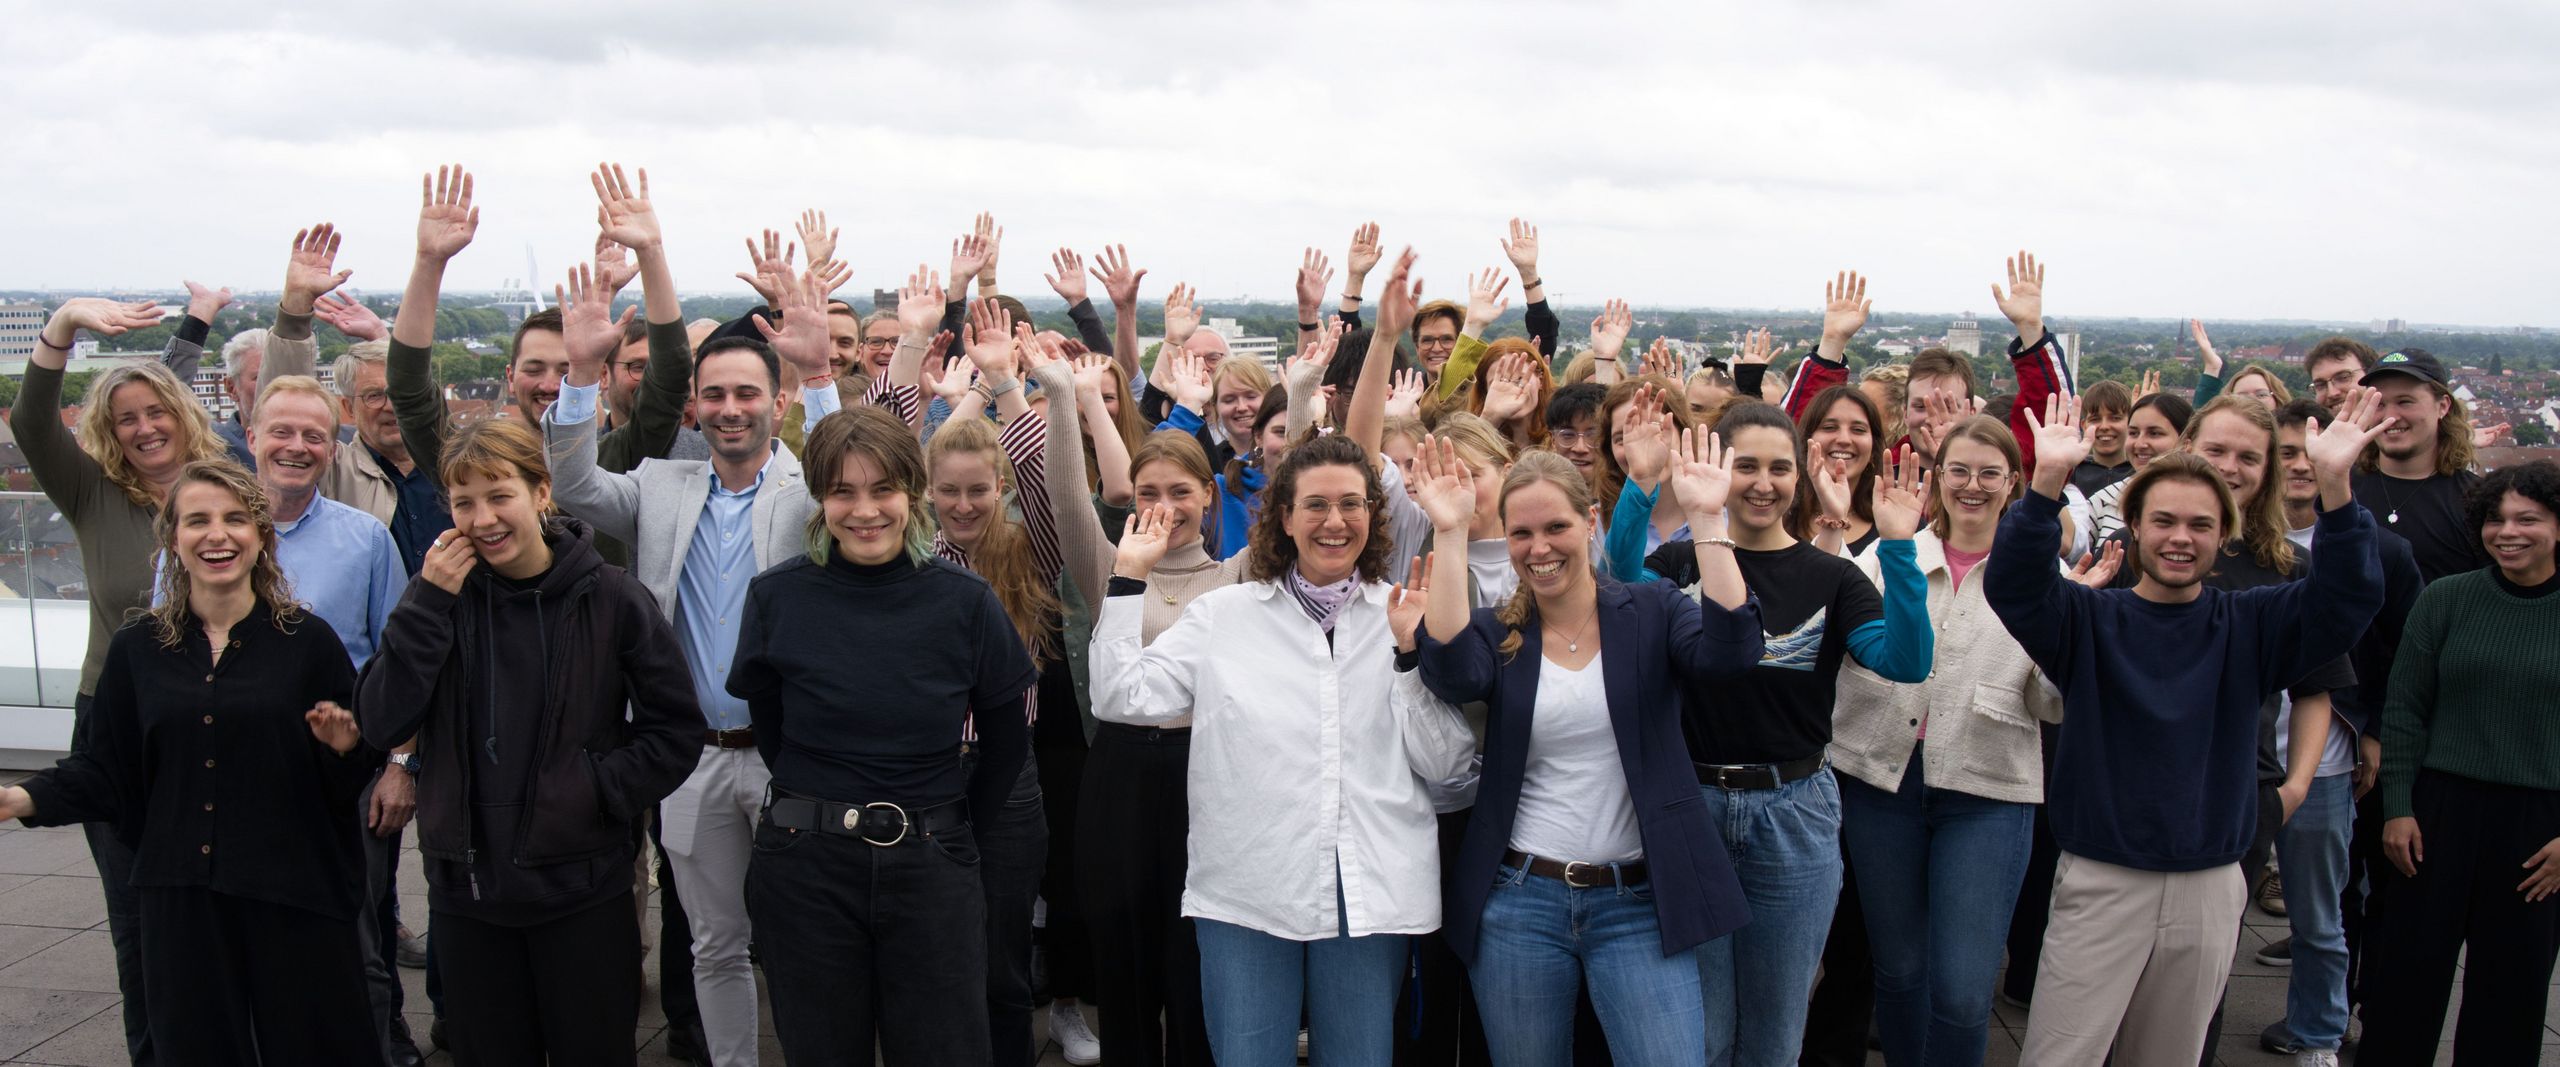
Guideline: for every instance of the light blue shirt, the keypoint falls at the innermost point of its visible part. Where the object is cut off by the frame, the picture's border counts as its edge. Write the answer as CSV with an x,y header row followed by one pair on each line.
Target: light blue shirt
x,y
342,565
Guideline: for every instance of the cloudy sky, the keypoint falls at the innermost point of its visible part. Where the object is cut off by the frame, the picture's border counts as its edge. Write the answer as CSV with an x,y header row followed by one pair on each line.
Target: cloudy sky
x,y
2292,160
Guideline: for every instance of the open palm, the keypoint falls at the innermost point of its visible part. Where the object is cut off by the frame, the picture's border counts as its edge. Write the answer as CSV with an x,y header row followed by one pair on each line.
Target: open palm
x,y
446,219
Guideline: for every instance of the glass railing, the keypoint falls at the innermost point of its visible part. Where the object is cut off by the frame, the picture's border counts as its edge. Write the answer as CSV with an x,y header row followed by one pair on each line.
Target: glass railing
x,y
44,604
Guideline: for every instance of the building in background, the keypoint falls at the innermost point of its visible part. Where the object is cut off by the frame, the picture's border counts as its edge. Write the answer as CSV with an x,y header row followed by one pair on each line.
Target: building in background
x,y
1965,335
20,325
1265,350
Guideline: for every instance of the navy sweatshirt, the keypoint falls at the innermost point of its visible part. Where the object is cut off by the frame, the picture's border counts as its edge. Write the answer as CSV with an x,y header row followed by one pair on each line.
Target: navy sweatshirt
x,y
2157,764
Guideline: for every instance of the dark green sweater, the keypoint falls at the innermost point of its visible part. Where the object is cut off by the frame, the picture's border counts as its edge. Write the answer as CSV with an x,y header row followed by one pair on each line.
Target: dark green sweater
x,y
2472,690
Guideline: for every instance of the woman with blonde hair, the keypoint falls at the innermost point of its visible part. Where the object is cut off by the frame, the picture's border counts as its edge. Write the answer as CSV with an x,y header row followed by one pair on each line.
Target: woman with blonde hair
x,y
252,901
109,479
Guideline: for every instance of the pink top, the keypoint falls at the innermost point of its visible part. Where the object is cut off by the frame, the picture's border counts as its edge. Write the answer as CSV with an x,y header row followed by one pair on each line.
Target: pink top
x,y
1959,563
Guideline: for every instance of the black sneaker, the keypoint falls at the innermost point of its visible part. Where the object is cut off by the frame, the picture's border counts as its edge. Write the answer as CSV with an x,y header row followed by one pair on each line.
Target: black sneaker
x,y
2276,1039
2279,954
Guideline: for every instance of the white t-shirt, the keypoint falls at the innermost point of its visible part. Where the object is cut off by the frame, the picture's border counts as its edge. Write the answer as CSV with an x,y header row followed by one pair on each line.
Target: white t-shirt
x,y
2339,755
1574,803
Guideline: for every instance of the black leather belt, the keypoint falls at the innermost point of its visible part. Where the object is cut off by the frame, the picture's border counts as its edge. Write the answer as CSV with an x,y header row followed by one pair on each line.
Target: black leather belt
x,y
1578,874
879,822
1757,775
1148,734
742,737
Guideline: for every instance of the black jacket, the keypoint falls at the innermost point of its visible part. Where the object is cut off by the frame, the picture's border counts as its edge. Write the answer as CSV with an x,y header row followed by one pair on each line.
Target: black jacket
x,y
606,649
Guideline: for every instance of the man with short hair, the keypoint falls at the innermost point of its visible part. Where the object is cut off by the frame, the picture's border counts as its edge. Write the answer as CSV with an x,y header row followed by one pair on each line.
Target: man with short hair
x,y
2106,409
241,357
2336,365
2418,473
624,374
343,566
711,527
2148,894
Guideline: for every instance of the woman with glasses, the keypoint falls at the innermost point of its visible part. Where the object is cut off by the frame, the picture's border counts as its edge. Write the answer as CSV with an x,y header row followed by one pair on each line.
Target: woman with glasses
x,y
1939,779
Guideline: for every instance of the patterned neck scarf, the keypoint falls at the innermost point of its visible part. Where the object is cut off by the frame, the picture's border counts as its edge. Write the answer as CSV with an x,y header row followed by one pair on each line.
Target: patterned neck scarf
x,y
1322,602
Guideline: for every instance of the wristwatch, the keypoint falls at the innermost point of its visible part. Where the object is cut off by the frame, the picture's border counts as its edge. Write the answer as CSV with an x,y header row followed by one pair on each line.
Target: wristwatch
x,y
407,761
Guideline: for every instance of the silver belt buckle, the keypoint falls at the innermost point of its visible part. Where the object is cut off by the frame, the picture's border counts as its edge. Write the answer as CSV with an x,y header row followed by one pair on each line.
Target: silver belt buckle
x,y
1573,875
904,823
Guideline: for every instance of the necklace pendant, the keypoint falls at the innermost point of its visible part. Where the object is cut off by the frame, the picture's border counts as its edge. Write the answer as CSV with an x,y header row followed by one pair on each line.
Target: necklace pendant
x,y
1168,598
2394,517
1573,646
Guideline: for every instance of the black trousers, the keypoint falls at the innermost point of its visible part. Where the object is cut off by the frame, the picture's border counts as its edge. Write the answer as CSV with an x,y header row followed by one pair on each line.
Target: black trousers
x,y
2477,837
2370,876
240,982
567,990
1436,1021
675,949
1133,824
1060,751
2035,896
1015,847
1844,1001
867,946
378,930
124,909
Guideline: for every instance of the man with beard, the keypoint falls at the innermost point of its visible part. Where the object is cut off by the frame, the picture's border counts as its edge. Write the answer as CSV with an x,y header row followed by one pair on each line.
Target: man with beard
x,y
2416,476
712,527
2154,795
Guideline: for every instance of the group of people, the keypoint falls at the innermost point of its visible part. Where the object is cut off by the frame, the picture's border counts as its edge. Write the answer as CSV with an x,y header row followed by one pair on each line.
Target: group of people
x,y
1423,703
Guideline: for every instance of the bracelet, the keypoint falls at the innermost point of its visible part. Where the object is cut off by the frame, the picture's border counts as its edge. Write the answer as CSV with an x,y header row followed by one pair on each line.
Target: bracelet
x,y
1829,523
1725,541
1353,298
994,390
1527,284
49,343
1310,327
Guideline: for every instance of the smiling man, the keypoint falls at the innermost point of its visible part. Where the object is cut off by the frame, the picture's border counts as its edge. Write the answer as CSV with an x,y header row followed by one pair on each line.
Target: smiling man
x,y
2416,476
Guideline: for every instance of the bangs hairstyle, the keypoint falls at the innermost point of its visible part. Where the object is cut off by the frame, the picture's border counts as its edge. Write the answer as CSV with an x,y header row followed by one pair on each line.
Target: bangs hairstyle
x,y
1271,548
1243,373
1537,467
266,577
2104,398
2173,409
1612,476
495,449
2175,467
2275,384
1184,453
1002,555
882,438
1982,430
1132,426
2262,521
1862,486
1275,404
2538,481
1940,363
97,427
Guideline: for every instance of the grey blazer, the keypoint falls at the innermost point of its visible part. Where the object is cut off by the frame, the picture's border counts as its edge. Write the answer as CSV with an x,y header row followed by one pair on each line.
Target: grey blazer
x,y
654,508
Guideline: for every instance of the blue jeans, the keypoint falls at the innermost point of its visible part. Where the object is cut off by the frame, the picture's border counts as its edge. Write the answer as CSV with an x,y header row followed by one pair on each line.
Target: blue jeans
x,y
1785,845
2312,848
1541,938
1938,875
1252,985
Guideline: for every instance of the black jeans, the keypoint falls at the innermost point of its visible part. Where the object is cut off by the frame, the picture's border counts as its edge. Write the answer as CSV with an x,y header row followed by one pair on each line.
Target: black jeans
x,y
124,909
675,949
1134,822
863,944
2477,837
1015,844
1067,944
2035,896
239,981
378,928
1436,1022
567,990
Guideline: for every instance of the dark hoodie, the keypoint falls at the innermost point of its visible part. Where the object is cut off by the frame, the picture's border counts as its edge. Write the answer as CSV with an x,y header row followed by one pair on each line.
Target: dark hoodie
x,y
532,779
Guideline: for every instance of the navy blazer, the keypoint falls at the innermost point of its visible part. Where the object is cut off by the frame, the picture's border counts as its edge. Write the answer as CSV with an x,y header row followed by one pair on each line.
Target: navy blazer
x,y
1653,640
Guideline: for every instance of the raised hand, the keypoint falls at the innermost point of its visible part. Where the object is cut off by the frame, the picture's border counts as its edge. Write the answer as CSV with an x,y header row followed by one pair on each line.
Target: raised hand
x,y
203,304
2023,303
990,344
351,317
1181,314
1187,378
947,376
1844,312
771,265
1485,301
803,342
2335,448
1508,391
448,561
623,211
816,237
1111,268
1363,256
1068,282
1900,502
2149,384
2097,570
1401,297
992,236
1404,394
1645,440
920,304
969,254
614,268
1609,330
1143,541
1317,353
1315,275
1757,347
1092,373
1444,485
2485,436
1701,474
1405,604
1522,249
2207,359
1660,360
100,316
1831,489
309,271
334,726
446,219
829,274
587,326
1034,350
2060,442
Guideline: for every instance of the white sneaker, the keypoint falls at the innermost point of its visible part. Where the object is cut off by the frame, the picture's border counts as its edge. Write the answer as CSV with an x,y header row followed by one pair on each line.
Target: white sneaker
x,y
2318,1057
1075,1039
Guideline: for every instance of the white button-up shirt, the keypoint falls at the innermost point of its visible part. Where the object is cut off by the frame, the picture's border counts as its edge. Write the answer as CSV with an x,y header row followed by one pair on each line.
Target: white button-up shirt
x,y
1307,758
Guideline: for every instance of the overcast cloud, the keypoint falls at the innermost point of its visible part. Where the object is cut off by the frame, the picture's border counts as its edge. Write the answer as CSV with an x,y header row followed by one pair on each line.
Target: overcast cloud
x,y
2225,160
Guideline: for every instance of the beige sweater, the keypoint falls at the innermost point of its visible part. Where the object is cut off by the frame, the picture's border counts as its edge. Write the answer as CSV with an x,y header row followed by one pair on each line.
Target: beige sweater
x,y
1982,701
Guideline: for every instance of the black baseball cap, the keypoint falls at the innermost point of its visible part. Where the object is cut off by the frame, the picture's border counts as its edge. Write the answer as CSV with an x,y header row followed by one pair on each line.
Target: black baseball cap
x,y
2415,362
